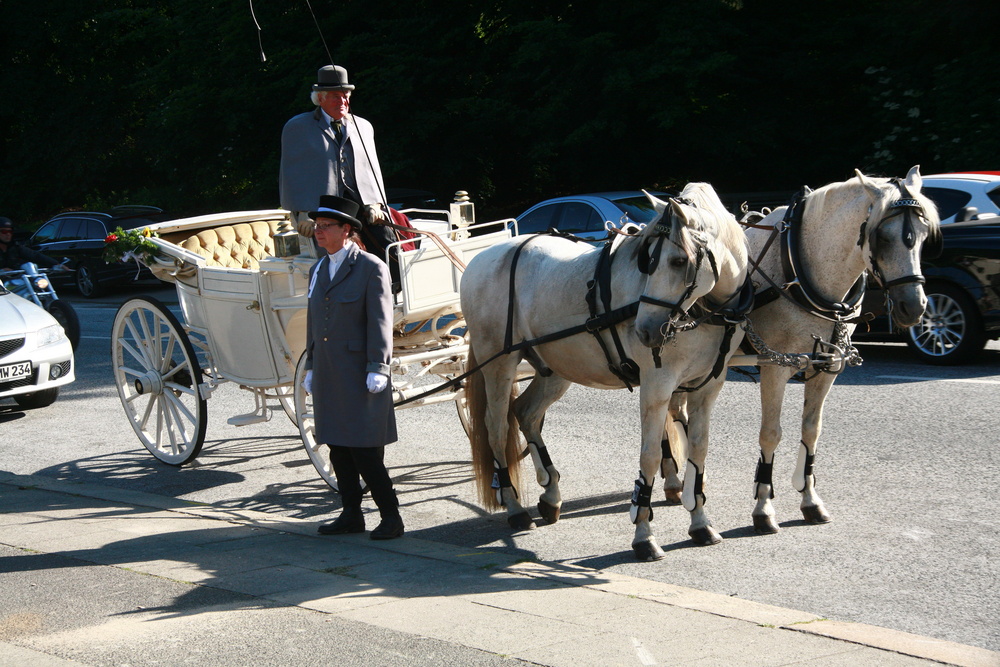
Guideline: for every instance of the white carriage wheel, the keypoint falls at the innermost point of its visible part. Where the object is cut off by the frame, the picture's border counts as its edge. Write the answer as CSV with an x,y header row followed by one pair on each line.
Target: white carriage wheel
x,y
286,398
463,414
157,374
319,454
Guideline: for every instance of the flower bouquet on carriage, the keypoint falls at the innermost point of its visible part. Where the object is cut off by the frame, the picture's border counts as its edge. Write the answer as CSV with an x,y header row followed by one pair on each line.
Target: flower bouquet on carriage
x,y
143,247
130,245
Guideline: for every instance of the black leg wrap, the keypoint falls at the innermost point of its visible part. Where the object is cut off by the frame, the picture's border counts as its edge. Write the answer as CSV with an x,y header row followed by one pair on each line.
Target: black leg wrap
x,y
763,475
642,496
501,480
699,483
665,449
810,458
543,455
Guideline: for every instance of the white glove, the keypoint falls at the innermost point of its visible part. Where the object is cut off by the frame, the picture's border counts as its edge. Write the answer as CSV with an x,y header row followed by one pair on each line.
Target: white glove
x,y
376,213
305,226
307,383
377,382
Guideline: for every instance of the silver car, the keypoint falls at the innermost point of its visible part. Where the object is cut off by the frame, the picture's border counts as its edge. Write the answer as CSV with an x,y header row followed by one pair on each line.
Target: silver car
x,y
962,197
587,216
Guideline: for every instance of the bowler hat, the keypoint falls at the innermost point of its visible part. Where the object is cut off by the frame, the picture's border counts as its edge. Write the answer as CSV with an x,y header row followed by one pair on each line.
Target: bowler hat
x,y
332,77
338,208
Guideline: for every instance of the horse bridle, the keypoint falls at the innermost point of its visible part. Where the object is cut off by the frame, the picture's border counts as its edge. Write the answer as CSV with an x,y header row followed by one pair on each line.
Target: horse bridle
x,y
647,261
909,207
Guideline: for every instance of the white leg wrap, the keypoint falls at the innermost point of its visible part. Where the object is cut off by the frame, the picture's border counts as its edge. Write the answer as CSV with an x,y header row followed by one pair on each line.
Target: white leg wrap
x,y
803,468
693,480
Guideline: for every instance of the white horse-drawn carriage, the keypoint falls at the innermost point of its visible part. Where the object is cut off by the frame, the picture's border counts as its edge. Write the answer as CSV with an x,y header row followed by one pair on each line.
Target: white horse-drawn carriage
x,y
664,308
243,321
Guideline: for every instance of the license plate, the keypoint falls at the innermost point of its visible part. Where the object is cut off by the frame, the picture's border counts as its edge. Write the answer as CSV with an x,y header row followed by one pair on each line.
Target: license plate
x,y
15,371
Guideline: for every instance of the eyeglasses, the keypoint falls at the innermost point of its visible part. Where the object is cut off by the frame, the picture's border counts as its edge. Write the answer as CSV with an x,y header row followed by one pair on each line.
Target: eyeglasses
x,y
6,231
324,227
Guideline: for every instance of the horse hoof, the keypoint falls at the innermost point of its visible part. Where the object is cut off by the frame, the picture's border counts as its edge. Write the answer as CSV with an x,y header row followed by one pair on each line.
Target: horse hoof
x,y
672,496
815,514
764,525
521,521
706,536
548,511
647,551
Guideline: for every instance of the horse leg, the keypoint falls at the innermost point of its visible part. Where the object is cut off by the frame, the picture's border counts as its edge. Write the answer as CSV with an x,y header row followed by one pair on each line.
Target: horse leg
x,y
693,494
812,424
654,414
772,393
674,447
529,408
489,395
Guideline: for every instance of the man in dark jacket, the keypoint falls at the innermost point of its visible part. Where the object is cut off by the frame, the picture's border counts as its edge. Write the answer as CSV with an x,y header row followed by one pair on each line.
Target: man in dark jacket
x,y
348,354
13,255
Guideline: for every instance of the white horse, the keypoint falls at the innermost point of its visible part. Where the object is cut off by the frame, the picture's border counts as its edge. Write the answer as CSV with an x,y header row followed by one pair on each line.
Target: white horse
x,y
536,290
813,265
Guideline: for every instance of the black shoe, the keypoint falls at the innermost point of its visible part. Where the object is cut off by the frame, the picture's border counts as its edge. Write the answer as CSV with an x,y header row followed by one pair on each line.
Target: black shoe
x,y
389,529
347,522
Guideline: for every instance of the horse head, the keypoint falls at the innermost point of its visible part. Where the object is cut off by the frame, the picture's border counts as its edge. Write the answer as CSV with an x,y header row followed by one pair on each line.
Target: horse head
x,y
679,257
901,222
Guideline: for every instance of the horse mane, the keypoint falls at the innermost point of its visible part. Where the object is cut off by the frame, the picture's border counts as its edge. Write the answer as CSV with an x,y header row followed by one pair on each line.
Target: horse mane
x,y
817,199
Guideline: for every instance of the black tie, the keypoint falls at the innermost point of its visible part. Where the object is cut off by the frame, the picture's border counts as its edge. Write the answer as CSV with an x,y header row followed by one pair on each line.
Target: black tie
x,y
338,129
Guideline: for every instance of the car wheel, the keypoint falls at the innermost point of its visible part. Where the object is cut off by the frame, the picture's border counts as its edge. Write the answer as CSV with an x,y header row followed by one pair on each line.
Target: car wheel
x,y
37,399
86,281
950,331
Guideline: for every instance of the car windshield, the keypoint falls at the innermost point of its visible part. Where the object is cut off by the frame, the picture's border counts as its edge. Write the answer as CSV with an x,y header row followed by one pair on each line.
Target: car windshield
x,y
638,209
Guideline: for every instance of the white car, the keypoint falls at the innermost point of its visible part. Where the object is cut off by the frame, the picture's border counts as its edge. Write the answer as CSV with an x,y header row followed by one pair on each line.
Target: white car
x,y
36,357
965,196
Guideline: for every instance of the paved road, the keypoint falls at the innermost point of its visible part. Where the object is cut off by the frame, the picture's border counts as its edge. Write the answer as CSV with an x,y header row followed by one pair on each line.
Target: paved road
x,y
908,467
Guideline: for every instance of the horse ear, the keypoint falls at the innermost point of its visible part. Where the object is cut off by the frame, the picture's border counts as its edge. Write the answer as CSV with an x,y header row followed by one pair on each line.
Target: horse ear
x,y
680,212
914,181
868,184
658,204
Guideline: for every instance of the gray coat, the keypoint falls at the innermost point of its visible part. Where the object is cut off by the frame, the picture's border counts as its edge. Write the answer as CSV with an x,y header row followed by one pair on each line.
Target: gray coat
x,y
311,161
348,335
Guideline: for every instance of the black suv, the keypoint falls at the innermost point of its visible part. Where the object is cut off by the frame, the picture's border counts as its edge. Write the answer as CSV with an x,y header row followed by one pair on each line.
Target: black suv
x,y
963,297
79,236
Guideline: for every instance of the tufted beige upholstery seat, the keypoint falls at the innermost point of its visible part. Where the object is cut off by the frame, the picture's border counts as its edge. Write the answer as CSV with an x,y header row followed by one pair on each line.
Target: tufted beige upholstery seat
x,y
239,246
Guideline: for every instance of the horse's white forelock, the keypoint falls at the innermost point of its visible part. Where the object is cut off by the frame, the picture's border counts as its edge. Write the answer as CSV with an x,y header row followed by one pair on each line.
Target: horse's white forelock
x,y
715,217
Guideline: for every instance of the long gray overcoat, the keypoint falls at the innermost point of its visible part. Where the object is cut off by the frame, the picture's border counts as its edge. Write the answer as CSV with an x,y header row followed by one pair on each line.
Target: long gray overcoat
x,y
311,159
348,335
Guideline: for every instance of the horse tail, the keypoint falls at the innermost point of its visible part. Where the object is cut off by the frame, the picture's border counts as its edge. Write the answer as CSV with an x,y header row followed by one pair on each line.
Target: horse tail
x,y
482,453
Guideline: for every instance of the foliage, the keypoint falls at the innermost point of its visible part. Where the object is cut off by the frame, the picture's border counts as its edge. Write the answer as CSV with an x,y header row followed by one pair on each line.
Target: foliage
x,y
170,103
132,244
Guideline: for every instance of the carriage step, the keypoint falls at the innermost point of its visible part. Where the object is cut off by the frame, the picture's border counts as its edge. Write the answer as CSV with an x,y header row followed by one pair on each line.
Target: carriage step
x,y
252,418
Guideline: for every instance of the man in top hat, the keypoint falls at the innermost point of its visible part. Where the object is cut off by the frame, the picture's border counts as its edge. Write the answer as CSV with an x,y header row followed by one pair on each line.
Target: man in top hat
x,y
329,151
348,352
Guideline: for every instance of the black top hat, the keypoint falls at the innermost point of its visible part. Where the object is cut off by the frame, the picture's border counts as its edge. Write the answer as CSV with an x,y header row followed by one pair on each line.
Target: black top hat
x,y
338,208
332,77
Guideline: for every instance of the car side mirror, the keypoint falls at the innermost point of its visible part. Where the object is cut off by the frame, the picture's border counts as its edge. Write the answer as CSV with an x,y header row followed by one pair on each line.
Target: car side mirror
x,y
966,213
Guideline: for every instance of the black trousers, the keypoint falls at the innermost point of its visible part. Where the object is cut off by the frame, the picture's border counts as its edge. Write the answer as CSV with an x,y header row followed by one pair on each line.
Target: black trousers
x,y
351,465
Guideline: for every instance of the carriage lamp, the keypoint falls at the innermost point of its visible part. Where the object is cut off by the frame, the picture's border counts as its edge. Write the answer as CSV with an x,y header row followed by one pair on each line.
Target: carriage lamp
x,y
463,212
286,244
